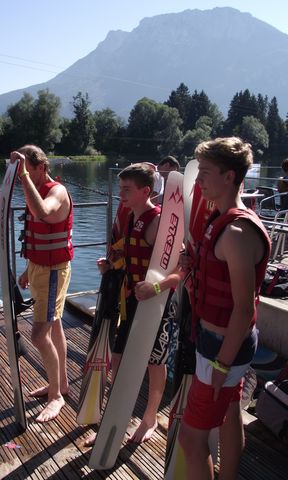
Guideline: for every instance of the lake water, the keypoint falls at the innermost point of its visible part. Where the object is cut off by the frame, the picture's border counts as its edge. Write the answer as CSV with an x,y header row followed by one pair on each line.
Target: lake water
x,y
83,181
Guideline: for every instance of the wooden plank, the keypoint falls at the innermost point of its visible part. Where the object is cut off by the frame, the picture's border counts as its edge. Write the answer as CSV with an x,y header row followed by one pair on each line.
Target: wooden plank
x,y
260,461
55,450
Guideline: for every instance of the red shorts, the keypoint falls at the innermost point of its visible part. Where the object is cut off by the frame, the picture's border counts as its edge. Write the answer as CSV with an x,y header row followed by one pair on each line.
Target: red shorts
x,y
202,411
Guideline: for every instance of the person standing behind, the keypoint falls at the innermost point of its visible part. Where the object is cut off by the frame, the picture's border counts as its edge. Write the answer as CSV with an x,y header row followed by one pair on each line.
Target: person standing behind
x,y
48,249
227,275
166,165
282,185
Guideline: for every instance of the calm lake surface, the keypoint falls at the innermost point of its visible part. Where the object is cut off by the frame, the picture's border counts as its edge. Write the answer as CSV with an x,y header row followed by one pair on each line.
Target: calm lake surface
x,y
83,181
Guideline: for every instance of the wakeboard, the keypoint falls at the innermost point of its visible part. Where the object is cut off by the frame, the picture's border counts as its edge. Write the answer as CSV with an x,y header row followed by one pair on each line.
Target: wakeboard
x,y
12,334
131,371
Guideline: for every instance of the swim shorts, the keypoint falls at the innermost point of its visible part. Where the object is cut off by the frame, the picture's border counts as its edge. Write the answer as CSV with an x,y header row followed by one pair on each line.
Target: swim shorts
x,y
48,286
202,411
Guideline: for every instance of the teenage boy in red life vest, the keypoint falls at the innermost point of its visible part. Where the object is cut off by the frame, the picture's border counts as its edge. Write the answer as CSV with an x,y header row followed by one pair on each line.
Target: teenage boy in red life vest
x,y
136,186
227,275
48,249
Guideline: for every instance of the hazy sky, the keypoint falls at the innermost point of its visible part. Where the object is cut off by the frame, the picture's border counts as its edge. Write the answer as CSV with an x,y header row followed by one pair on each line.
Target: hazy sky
x,y
39,39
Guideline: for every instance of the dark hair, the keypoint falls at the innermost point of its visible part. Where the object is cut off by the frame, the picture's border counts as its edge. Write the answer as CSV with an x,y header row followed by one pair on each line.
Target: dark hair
x,y
228,153
35,155
172,161
141,173
284,165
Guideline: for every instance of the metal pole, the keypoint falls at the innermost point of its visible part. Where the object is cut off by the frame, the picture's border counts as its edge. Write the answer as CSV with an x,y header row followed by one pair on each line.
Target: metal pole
x,y
12,240
109,207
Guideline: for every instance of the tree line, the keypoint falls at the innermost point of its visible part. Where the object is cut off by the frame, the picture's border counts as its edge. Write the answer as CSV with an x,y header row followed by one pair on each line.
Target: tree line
x,y
153,129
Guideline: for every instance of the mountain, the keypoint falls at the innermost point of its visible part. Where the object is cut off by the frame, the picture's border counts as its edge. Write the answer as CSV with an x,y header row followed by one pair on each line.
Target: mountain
x,y
221,51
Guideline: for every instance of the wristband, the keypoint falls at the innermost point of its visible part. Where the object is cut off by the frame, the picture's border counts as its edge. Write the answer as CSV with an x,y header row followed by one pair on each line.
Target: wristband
x,y
218,366
24,173
157,288
222,364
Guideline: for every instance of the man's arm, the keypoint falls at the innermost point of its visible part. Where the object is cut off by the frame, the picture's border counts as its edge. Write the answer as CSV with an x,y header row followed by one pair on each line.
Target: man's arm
x,y
43,208
238,246
145,290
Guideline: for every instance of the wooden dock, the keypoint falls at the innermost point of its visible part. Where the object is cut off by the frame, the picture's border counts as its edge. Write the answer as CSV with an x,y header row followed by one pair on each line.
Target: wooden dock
x,y
55,450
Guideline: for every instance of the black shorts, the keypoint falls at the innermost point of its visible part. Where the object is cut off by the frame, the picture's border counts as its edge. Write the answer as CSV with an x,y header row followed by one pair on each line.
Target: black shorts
x,y
160,350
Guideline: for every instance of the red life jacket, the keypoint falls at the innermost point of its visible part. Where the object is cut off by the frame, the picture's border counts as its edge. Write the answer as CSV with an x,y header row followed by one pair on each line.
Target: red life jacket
x,y
212,297
137,251
48,243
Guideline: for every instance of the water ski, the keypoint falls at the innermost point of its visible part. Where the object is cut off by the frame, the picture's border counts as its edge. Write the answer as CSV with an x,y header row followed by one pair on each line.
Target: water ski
x,y
12,335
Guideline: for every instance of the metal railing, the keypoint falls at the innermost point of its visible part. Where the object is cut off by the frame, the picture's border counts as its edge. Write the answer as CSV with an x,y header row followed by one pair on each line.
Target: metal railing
x,y
255,180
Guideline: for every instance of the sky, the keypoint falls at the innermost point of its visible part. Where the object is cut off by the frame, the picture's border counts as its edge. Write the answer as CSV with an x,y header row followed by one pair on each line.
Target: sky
x,y
39,39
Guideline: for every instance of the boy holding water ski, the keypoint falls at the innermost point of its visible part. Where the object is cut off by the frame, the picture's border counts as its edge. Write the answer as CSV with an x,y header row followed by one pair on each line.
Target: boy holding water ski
x,y
134,252
231,263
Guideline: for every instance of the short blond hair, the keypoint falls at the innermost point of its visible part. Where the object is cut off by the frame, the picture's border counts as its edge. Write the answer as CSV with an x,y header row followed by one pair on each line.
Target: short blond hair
x,y
228,153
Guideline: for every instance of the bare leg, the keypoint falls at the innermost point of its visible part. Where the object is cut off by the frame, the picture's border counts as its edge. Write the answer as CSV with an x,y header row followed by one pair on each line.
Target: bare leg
x,y
115,360
59,341
157,380
197,455
42,340
231,443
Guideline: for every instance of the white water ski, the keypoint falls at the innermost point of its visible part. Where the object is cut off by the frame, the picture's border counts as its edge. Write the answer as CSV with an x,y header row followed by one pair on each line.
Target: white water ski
x,y
8,299
98,359
143,332
174,461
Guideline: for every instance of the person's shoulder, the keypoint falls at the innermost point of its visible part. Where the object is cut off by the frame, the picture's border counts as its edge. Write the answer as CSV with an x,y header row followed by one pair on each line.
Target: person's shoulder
x,y
239,228
241,225
156,219
282,184
58,187
242,231
60,192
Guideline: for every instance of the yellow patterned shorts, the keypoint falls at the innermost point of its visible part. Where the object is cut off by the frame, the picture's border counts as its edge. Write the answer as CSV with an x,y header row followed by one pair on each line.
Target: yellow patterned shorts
x,y
48,286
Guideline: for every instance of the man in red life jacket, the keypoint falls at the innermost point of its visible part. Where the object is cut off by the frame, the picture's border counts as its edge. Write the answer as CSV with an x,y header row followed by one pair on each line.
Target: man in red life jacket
x,y
48,249
229,270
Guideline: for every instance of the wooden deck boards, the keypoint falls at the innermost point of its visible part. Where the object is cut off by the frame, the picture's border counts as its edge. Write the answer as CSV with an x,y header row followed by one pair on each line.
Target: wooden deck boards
x,y
55,450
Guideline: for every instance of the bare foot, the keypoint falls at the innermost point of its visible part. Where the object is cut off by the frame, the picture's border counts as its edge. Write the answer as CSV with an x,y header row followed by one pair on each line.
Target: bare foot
x,y
51,410
43,392
143,433
89,442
